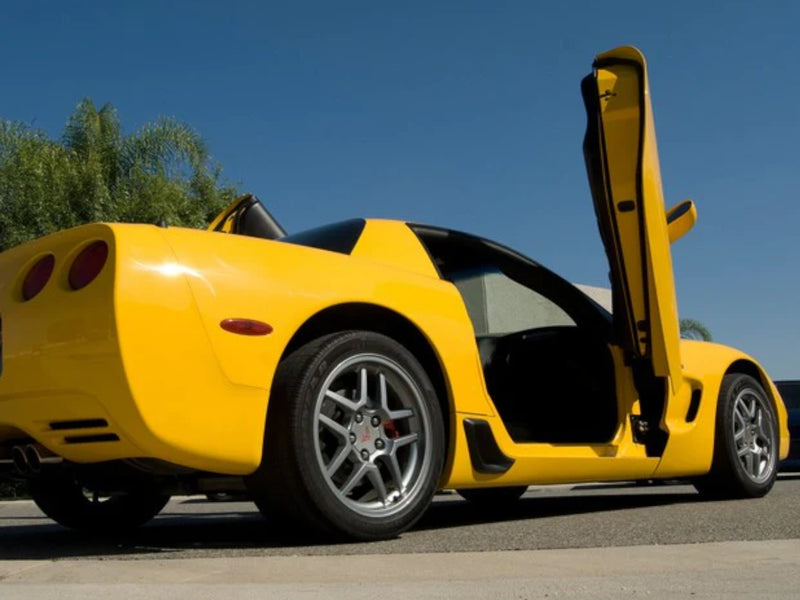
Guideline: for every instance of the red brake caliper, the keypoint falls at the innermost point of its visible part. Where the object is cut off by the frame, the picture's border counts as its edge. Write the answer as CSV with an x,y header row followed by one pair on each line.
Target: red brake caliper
x,y
391,430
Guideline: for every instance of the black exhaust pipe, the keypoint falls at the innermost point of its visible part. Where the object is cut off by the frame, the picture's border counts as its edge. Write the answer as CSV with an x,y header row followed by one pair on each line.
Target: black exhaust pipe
x,y
20,460
33,459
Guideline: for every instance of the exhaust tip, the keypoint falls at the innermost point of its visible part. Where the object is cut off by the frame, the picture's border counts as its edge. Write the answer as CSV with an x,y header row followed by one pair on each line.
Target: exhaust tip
x,y
33,458
20,460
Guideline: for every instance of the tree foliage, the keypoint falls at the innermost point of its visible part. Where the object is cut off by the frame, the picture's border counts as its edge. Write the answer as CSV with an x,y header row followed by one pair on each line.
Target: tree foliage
x,y
97,173
694,330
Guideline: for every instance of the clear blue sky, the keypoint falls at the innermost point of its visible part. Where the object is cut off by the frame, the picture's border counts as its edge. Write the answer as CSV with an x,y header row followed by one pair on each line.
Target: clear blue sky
x,y
464,114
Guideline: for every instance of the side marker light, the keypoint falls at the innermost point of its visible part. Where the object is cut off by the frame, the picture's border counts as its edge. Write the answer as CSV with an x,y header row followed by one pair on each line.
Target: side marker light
x,y
246,327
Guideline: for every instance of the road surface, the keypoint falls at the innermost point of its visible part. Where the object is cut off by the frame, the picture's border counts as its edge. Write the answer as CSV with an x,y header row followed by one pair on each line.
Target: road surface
x,y
595,541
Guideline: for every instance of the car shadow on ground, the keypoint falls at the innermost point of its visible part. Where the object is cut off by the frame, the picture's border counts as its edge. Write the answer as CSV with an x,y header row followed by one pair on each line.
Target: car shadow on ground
x,y
457,513
236,528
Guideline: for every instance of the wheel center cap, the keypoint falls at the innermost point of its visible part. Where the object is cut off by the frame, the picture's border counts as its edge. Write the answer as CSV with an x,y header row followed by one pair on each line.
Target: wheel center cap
x,y
366,436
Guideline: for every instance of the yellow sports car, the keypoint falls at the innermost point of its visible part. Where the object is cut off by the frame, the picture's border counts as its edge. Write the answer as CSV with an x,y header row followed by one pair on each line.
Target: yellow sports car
x,y
344,374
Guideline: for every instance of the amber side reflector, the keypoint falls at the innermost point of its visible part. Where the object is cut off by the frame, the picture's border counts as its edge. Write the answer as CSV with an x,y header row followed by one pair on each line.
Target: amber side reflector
x,y
38,277
88,264
246,327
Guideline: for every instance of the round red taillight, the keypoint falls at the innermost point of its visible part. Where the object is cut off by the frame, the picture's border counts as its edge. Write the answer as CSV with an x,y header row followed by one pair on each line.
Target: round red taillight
x,y
38,276
88,264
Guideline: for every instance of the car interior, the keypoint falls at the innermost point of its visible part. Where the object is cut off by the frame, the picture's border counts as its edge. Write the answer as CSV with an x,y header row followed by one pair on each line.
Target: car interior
x,y
543,343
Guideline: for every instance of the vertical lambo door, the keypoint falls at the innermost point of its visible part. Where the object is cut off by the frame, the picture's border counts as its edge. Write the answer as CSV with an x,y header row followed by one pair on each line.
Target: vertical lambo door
x,y
622,163
623,167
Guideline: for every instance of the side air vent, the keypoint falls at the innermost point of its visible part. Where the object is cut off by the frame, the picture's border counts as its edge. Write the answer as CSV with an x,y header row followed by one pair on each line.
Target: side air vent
x,y
79,424
90,439
484,453
694,405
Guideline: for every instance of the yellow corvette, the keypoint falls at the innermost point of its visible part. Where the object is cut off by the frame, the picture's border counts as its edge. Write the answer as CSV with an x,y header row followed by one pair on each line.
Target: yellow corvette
x,y
344,374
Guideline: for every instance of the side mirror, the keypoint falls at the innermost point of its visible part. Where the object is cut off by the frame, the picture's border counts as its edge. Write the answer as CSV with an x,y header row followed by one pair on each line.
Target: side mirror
x,y
680,219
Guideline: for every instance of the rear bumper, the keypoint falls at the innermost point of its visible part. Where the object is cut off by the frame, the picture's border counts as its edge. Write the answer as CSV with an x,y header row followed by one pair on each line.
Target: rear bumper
x,y
122,368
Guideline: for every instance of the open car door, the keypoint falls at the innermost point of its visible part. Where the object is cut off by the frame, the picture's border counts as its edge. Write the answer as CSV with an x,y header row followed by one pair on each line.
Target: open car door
x,y
622,163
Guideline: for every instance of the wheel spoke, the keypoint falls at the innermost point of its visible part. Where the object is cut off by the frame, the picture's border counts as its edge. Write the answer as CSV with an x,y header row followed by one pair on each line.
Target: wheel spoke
x,y
743,450
383,394
750,464
738,414
406,440
759,459
335,427
355,478
338,460
751,409
395,471
345,403
394,415
362,386
375,478
403,413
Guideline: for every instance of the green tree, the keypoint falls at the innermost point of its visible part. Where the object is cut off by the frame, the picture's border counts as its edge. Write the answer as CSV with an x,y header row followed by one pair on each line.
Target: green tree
x,y
97,173
694,330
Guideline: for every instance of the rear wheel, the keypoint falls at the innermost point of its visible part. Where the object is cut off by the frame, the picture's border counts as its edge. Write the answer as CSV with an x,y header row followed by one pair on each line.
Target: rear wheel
x,y
354,440
69,503
746,442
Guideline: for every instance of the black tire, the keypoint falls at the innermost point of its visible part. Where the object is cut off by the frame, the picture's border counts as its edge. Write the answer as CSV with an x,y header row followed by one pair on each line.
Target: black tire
x,y
343,462
68,503
497,497
745,461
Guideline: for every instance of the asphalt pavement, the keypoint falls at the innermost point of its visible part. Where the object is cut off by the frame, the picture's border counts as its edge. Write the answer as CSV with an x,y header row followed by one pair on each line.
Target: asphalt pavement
x,y
593,541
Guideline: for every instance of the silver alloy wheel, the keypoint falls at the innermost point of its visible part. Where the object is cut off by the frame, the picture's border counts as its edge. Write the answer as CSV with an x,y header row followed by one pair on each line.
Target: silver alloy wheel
x,y
373,435
754,435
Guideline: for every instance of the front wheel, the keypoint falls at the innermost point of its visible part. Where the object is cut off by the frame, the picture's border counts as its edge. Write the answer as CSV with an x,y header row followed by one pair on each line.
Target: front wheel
x,y
69,503
746,442
354,440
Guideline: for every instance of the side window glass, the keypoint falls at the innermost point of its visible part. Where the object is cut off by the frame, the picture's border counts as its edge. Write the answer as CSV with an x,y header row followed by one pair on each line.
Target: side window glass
x,y
497,304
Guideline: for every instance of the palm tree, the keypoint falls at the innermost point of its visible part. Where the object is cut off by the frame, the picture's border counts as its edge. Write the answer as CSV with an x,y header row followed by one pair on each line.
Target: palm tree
x,y
694,330
97,173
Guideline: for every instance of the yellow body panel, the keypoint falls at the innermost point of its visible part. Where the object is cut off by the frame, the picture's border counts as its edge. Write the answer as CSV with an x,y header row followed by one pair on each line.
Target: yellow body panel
x,y
680,219
691,445
172,383
141,347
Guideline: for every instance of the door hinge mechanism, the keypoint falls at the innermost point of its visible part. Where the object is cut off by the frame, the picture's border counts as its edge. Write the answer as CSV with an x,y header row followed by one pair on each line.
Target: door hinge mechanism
x,y
640,429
